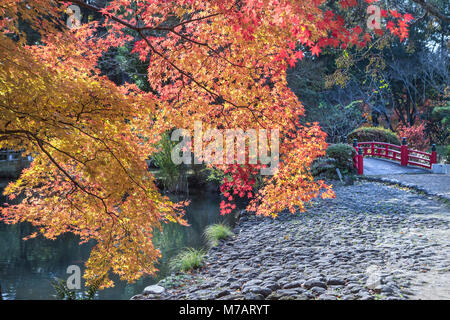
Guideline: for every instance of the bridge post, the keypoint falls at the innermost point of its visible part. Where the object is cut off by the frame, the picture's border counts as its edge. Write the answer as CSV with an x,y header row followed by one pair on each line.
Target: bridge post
x,y
404,153
355,158
360,161
433,158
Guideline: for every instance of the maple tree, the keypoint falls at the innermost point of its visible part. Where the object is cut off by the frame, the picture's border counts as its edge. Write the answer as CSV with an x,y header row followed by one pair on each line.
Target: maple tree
x,y
221,62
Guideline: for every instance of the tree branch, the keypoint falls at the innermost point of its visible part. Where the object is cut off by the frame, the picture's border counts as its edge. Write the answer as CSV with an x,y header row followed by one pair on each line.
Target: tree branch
x,y
433,10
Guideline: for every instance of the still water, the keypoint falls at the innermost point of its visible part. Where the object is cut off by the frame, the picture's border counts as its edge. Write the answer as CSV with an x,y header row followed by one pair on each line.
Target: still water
x,y
27,268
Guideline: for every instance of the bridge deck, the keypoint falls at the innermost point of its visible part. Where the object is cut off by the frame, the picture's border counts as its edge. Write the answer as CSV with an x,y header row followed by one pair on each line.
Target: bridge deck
x,y
374,166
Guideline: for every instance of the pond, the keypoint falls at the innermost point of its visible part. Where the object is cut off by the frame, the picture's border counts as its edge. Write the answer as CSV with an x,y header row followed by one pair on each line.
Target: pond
x,y
27,268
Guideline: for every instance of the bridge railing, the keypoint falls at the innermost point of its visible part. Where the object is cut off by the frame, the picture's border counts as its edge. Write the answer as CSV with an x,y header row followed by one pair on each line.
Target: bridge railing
x,y
394,152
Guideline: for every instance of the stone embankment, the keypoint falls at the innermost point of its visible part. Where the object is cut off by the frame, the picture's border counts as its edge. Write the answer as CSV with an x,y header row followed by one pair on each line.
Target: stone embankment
x,y
374,241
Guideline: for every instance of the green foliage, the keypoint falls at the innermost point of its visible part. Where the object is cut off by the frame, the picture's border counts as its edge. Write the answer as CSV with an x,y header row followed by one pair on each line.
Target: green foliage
x,y
339,156
121,65
439,124
216,232
134,67
169,172
64,293
175,281
215,175
367,134
442,113
324,167
188,259
343,153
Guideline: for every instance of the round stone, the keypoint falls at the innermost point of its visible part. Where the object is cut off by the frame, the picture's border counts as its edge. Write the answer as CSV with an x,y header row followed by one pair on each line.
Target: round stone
x,y
154,289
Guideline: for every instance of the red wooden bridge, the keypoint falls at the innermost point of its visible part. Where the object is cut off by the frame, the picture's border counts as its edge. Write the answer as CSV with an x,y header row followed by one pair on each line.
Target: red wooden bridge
x,y
403,154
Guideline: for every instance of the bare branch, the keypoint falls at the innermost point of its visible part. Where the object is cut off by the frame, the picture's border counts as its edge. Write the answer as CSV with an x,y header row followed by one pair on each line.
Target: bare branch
x,y
433,10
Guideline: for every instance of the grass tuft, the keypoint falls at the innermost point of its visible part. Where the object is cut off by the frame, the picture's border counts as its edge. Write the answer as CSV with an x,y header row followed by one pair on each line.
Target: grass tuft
x,y
188,259
216,232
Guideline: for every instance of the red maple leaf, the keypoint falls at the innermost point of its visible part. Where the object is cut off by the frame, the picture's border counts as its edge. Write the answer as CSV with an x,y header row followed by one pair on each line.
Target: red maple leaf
x,y
408,17
299,55
315,50
395,14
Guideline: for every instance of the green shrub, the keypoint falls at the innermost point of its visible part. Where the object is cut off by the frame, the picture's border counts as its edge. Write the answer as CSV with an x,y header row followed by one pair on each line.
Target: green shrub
x,y
339,156
216,232
367,134
324,167
342,153
187,259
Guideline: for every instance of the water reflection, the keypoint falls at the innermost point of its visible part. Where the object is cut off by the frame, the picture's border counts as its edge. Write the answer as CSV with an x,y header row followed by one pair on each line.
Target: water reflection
x,y
28,267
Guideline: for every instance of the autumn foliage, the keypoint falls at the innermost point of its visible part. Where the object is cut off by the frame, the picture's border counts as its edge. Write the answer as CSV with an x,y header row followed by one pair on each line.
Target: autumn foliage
x,y
415,136
221,62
